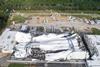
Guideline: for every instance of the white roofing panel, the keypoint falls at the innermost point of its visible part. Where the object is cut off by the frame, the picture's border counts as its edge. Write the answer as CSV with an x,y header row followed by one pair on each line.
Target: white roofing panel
x,y
75,42
48,37
22,37
54,46
4,33
20,46
63,41
7,40
95,41
20,54
78,55
57,45
94,38
56,56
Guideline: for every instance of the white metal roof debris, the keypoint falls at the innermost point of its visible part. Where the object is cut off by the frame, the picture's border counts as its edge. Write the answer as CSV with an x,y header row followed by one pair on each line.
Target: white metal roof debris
x,y
22,37
24,27
58,44
67,55
56,56
94,41
51,42
20,54
54,46
20,46
7,41
44,38
78,55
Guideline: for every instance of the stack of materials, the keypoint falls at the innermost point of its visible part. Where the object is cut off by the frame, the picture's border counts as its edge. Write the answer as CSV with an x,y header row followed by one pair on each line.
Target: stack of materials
x,y
37,53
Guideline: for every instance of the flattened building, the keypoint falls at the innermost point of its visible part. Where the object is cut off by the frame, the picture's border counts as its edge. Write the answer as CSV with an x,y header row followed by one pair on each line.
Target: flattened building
x,y
46,48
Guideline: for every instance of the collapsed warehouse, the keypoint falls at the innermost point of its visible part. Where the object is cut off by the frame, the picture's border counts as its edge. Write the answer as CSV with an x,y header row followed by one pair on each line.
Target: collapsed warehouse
x,y
49,47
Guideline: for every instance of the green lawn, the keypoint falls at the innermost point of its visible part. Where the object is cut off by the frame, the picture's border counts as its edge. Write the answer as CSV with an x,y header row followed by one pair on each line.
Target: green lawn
x,y
21,65
18,19
59,11
17,65
95,31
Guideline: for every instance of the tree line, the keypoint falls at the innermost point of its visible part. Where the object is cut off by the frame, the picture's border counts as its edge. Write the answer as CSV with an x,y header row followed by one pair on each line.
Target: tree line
x,y
4,14
52,4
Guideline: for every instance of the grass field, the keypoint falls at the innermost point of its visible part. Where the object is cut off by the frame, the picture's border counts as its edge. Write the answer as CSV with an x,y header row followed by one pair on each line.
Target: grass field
x,y
95,31
17,65
59,11
21,65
